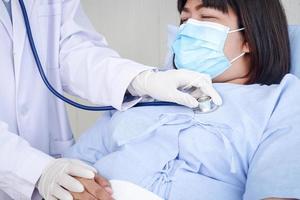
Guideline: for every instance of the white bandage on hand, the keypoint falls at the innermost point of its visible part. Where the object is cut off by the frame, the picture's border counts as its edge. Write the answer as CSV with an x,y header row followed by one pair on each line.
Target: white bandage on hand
x,y
56,180
164,86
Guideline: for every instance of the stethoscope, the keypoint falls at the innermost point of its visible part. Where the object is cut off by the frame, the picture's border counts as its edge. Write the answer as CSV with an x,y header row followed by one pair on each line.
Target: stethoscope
x,y
205,103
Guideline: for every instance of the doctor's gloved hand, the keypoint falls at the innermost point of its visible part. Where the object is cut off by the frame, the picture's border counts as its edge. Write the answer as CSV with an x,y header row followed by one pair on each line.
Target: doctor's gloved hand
x,y
164,86
57,180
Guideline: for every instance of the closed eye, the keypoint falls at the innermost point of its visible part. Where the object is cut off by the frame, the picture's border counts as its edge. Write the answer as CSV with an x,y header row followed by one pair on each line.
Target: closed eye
x,y
208,17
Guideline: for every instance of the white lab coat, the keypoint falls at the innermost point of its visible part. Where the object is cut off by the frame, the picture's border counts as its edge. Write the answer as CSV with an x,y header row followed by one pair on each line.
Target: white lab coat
x,y
76,60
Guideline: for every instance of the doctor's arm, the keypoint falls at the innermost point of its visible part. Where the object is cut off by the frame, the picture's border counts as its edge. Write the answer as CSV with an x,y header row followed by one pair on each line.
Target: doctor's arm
x,y
23,169
20,165
89,68
93,71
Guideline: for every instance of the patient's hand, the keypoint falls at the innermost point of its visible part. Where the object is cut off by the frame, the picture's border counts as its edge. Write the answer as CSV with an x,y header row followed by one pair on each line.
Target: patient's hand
x,y
95,189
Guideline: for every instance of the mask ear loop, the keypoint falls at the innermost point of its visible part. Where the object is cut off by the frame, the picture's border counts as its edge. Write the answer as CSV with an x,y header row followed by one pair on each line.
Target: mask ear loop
x,y
236,58
237,30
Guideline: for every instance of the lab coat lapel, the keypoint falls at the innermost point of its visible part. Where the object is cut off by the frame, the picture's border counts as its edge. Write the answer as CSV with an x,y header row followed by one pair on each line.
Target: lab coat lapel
x,y
5,19
19,33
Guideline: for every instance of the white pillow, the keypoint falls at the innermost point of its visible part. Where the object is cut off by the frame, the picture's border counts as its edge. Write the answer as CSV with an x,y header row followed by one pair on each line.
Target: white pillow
x,y
172,31
294,32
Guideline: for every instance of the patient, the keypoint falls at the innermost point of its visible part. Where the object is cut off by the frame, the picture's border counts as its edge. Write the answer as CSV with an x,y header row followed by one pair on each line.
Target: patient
x,y
246,149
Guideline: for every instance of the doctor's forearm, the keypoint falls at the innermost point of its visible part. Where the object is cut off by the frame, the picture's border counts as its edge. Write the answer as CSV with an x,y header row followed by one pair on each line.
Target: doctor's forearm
x,y
16,152
98,79
88,67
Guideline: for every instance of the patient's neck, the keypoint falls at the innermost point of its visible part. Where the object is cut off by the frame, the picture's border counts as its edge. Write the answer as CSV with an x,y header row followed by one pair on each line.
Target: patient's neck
x,y
240,81
238,73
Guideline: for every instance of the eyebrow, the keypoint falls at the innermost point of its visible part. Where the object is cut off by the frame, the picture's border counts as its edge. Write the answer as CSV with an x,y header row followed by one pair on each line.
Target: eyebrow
x,y
185,9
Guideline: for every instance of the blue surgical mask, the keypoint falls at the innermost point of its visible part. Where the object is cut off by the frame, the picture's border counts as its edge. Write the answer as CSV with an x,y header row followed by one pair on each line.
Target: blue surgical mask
x,y
199,46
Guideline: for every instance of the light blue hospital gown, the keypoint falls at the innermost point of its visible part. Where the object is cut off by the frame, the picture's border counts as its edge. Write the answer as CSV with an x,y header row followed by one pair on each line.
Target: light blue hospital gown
x,y
248,149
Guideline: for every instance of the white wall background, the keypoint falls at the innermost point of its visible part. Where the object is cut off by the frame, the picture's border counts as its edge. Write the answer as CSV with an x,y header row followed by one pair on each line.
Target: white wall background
x,y
137,30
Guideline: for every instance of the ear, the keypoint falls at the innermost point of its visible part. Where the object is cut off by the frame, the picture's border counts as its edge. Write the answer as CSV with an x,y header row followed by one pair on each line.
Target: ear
x,y
246,47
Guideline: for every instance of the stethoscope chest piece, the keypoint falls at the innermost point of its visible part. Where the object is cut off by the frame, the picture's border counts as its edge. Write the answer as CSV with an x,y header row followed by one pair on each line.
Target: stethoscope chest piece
x,y
206,105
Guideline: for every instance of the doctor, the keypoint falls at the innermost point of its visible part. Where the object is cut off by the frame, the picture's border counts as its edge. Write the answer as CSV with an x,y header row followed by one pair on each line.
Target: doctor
x,y
33,123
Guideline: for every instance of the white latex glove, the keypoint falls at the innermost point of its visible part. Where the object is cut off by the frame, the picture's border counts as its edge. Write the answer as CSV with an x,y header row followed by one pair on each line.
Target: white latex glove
x,y
56,180
164,86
